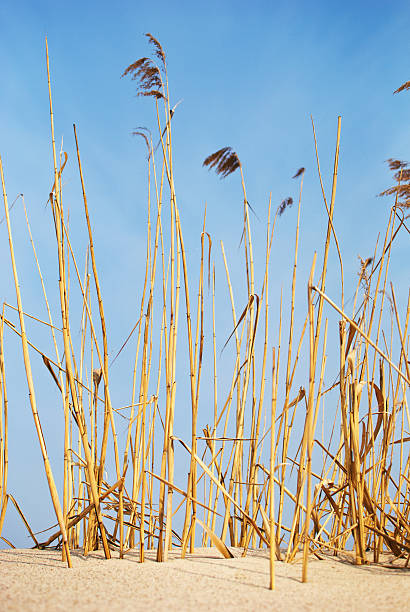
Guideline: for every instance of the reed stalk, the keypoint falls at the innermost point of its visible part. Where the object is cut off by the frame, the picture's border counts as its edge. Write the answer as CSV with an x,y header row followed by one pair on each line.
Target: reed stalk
x,y
345,489
30,383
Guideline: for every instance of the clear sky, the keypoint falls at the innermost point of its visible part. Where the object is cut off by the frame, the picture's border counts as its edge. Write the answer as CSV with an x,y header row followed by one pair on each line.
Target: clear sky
x,y
249,75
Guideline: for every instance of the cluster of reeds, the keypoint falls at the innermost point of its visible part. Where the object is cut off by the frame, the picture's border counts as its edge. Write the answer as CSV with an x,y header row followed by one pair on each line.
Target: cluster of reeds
x,y
269,479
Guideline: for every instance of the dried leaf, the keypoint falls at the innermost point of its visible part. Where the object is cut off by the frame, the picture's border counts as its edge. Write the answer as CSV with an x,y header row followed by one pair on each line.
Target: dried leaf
x,y
351,361
299,397
97,374
217,542
50,369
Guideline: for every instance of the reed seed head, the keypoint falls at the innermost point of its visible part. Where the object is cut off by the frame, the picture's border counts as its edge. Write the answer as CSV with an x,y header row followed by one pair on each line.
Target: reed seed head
x,y
225,161
402,178
299,173
286,203
403,87
148,76
159,51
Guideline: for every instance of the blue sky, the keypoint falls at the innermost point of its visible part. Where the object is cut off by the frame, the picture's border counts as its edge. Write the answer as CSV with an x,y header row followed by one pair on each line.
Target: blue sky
x,y
249,76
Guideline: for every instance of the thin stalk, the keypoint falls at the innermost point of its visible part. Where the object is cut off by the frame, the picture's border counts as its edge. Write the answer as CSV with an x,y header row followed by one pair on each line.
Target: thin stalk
x,y
29,376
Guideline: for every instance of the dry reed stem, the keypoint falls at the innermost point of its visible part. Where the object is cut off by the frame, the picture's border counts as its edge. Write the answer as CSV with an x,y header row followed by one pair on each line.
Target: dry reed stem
x,y
4,435
67,351
366,338
357,495
32,397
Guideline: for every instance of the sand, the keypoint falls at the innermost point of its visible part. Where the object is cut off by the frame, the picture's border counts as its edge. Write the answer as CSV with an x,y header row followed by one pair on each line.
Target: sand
x,y
32,580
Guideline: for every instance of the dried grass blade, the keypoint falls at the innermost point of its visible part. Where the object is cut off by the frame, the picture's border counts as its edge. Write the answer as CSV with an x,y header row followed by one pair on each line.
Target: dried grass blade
x,y
223,549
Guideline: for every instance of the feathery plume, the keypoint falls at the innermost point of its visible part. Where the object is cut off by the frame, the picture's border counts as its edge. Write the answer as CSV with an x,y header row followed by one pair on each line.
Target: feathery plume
x,y
402,177
286,203
147,73
225,161
159,51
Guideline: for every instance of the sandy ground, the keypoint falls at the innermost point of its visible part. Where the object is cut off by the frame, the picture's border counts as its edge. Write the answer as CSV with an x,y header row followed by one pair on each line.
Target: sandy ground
x,y
37,580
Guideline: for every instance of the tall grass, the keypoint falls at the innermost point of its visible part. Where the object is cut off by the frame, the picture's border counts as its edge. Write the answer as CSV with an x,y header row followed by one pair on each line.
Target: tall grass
x,y
261,475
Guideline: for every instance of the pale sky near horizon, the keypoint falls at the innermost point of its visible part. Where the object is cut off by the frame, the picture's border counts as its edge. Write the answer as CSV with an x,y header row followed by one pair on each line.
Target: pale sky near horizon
x,y
249,76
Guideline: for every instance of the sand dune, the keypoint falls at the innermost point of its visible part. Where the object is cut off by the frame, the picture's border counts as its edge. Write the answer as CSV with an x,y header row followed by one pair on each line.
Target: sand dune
x,y
33,580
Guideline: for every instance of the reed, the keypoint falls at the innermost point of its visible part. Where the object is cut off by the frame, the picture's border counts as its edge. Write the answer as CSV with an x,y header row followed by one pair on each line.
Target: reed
x,y
261,475
4,454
